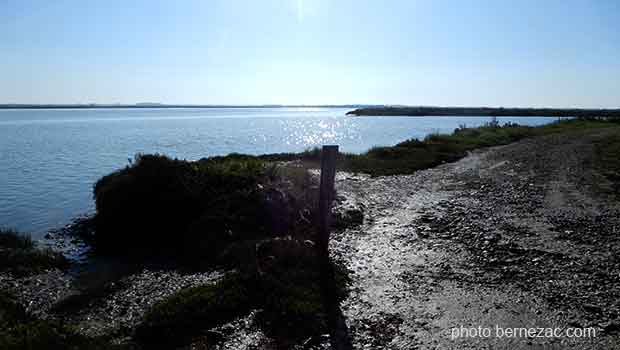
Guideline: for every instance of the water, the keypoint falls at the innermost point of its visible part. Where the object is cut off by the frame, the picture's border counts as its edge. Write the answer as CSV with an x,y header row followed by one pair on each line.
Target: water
x,y
50,159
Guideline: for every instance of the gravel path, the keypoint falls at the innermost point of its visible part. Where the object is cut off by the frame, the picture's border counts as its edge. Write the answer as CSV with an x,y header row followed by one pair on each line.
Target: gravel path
x,y
521,235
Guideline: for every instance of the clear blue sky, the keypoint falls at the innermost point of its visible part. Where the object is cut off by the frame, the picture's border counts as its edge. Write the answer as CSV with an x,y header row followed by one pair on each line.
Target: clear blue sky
x,y
508,53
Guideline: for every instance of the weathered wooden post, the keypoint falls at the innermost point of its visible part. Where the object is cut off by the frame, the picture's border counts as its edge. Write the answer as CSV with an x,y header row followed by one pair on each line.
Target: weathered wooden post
x,y
339,333
326,195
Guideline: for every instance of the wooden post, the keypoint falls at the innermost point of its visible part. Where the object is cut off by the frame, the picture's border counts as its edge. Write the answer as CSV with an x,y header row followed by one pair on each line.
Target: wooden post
x,y
328,176
339,333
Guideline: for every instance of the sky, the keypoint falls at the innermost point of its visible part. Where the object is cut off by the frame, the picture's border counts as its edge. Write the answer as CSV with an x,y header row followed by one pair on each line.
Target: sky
x,y
542,53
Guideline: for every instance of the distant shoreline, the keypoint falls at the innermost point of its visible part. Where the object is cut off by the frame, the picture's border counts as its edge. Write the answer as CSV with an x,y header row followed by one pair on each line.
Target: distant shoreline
x,y
155,105
484,111
360,110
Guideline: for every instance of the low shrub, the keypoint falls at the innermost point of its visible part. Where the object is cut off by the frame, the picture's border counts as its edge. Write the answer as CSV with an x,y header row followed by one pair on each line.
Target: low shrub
x,y
435,149
10,312
286,289
175,320
193,211
20,256
11,239
607,161
20,331
290,293
312,156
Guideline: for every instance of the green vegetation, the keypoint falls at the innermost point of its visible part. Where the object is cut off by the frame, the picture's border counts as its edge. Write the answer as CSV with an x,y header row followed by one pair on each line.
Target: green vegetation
x,y
20,256
20,331
289,297
411,155
608,160
290,292
178,318
243,212
159,206
486,111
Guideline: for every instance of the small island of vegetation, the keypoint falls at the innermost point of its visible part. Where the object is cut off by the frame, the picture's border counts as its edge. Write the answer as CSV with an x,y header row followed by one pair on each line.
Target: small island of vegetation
x,y
483,111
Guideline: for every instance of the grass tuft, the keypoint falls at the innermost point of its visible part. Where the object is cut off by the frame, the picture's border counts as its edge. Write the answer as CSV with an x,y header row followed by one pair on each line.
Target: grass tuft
x,y
20,256
288,295
608,161
183,315
20,331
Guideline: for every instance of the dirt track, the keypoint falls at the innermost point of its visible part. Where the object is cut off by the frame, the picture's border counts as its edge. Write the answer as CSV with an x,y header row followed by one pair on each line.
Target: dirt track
x,y
523,235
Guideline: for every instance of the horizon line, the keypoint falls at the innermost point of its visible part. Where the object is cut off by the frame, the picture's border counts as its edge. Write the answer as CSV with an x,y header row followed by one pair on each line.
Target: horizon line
x,y
269,105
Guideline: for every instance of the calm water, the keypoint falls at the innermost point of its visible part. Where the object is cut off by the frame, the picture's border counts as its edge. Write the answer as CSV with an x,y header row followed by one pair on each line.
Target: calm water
x,y
50,159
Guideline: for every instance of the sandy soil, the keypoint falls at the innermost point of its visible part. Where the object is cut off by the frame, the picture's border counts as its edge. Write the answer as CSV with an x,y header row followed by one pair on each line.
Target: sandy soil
x,y
523,235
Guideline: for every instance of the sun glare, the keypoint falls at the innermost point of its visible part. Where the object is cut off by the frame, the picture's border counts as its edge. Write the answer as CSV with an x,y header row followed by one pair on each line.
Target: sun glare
x,y
300,11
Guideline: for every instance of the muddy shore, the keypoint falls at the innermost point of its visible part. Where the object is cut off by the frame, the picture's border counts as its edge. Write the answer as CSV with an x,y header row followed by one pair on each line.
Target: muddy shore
x,y
523,235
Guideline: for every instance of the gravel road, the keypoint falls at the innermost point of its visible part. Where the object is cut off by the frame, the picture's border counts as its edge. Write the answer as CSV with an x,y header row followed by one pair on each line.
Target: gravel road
x,y
517,236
